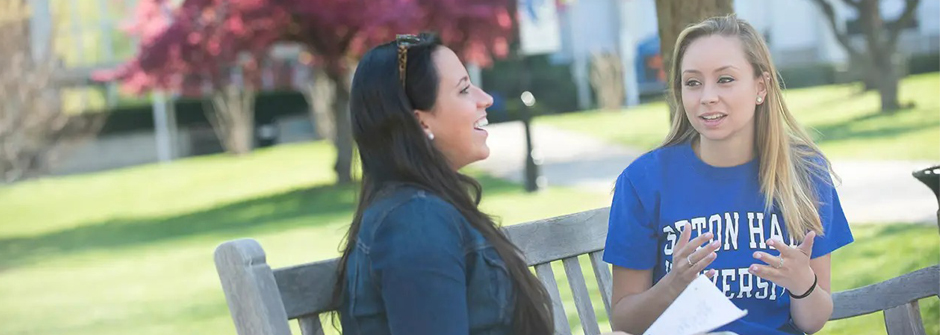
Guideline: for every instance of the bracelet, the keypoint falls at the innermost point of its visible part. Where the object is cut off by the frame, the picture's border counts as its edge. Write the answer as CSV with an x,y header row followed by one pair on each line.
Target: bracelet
x,y
808,292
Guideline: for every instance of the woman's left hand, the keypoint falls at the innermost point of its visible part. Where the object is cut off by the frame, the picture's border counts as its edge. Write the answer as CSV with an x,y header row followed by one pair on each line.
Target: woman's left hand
x,y
791,269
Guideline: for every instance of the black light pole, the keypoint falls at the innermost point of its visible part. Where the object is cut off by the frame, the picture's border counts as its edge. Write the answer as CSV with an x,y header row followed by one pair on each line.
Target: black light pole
x,y
533,180
931,177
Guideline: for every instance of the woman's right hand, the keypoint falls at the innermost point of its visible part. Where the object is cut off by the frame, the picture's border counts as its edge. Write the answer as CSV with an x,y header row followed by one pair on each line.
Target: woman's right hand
x,y
687,262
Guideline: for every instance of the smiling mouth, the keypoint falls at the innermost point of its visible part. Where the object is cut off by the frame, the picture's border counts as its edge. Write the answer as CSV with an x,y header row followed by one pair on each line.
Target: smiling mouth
x,y
480,124
712,117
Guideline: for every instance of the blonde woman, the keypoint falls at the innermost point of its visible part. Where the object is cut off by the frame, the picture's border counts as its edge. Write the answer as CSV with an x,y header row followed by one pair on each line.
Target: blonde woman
x,y
737,191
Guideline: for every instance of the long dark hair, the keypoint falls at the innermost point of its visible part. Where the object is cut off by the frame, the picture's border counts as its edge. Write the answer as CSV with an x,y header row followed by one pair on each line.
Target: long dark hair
x,y
394,149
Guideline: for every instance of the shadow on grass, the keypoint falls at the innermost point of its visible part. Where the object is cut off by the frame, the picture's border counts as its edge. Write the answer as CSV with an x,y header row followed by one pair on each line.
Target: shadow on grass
x,y
889,128
305,207
259,214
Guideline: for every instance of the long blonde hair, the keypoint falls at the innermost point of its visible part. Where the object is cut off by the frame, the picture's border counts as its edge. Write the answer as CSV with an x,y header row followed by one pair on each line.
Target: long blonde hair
x,y
787,156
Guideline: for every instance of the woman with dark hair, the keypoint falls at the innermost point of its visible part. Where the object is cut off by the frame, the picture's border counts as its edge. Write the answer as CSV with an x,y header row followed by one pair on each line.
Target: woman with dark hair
x,y
420,257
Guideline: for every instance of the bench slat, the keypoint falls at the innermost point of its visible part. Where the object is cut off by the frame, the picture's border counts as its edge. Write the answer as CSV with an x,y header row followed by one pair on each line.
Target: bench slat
x,y
904,320
307,289
310,325
582,299
569,235
250,289
887,294
604,281
564,236
547,277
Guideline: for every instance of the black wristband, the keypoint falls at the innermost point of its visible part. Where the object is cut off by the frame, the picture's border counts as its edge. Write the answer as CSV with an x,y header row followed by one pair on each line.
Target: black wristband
x,y
808,292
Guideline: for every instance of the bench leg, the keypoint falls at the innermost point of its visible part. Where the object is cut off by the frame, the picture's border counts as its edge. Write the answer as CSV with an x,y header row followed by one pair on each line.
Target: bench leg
x,y
904,320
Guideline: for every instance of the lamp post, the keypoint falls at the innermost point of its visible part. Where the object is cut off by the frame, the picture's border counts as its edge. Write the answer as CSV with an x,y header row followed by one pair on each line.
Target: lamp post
x,y
534,181
931,177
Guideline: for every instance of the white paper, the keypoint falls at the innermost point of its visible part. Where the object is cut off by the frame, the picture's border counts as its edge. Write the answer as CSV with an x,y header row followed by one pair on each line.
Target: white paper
x,y
699,309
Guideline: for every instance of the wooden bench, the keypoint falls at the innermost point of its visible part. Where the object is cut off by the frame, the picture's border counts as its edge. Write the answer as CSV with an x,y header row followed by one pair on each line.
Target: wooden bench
x,y
263,300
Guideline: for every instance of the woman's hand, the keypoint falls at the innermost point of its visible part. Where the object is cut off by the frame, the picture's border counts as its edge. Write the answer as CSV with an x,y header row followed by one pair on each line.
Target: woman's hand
x,y
791,269
688,260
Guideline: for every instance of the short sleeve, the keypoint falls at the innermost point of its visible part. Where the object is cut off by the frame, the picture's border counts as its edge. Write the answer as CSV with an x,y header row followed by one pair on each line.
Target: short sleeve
x,y
836,232
631,235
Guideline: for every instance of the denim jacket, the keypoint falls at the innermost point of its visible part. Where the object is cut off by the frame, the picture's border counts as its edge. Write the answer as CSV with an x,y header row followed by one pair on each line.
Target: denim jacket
x,y
418,267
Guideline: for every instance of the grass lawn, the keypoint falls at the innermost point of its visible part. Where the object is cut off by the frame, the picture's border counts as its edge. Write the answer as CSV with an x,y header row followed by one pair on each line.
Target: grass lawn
x,y
847,125
131,250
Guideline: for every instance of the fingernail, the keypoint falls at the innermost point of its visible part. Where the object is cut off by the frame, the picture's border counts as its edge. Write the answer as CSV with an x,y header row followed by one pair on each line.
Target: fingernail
x,y
753,269
716,243
757,255
709,235
770,242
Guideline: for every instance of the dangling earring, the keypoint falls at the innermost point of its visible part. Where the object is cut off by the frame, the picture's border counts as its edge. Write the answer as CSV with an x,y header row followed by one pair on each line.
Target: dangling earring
x,y
430,136
760,100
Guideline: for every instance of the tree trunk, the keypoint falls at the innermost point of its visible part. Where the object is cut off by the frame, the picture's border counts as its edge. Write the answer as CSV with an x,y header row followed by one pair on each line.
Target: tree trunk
x,y
882,52
320,93
342,138
879,65
234,118
870,78
887,84
675,15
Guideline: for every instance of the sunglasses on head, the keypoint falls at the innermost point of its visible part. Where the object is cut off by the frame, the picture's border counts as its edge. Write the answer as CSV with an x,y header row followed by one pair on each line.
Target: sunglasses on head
x,y
404,41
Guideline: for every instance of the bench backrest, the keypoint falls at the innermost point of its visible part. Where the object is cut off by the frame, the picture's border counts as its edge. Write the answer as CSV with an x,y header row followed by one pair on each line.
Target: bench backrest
x,y
262,300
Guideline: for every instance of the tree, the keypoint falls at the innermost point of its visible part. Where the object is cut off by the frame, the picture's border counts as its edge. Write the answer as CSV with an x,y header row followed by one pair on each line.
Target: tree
x,y
33,126
205,47
338,32
477,30
675,15
207,33
879,56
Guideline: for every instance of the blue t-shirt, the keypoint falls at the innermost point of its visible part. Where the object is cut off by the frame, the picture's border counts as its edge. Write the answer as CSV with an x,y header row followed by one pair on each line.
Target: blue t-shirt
x,y
668,188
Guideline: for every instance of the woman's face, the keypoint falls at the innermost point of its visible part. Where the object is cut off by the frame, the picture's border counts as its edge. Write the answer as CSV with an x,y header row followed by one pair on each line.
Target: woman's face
x,y
458,115
719,90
